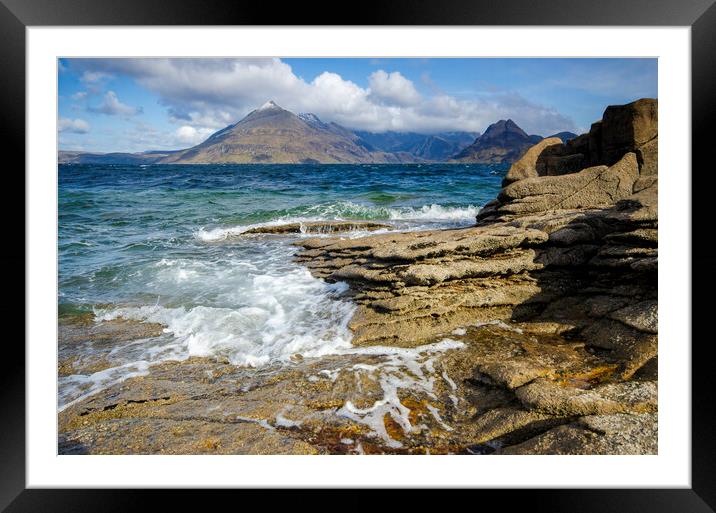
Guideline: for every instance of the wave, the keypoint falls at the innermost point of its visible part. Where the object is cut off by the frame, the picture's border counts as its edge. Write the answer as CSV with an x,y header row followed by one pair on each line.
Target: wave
x,y
435,212
344,210
280,316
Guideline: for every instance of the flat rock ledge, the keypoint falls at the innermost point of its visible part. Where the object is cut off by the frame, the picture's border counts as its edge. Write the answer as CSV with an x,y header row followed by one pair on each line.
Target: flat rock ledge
x,y
318,227
500,391
548,303
571,253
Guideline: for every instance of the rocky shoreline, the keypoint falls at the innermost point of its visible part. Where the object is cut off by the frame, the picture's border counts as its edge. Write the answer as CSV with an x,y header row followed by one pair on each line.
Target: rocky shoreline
x,y
533,332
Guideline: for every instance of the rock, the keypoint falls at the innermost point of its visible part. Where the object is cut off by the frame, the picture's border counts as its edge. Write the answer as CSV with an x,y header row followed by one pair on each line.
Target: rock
x,y
526,166
568,252
115,330
590,188
644,182
549,302
85,344
556,399
604,434
563,165
578,146
634,347
642,316
628,127
429,274
623,129
87,364
646,237
169,436
514,372
318,227
595,144
648,156
499,422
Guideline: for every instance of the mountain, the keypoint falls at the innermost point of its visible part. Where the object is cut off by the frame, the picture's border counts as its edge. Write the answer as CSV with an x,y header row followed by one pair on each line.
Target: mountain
x,y
503,141
437,147
271,134
565,136
81,157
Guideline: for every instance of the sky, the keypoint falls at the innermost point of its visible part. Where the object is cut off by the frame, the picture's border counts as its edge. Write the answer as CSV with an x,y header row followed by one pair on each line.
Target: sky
x,y
132,105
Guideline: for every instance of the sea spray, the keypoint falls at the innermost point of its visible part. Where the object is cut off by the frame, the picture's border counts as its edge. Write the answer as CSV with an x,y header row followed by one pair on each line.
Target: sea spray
x,y
282,316
159,244
422,217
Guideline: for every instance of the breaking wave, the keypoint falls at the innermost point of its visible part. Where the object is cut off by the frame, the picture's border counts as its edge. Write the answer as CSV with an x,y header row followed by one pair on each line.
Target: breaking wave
x,y
415,217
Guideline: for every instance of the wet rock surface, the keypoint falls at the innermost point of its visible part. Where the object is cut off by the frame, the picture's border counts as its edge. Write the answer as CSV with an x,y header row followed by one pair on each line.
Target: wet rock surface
x,y
318,227
486,388
533,332
85,346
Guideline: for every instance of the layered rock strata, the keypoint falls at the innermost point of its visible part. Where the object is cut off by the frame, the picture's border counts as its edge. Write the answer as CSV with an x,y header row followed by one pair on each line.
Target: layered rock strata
x,y
533,332
570,254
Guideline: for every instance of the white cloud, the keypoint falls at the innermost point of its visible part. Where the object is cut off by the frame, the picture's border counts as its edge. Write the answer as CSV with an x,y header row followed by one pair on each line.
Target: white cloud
x,y
93,77
393,88
75,126
213,93
113,107
79,95
189,135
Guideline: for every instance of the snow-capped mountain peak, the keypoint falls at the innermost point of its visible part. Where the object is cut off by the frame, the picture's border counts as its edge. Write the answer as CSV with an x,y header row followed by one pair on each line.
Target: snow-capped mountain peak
x,y
269,105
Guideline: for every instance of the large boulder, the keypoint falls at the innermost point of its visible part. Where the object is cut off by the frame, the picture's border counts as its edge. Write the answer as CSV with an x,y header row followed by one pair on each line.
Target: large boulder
x,y
617,158
633,127
627,128
527,166
594,187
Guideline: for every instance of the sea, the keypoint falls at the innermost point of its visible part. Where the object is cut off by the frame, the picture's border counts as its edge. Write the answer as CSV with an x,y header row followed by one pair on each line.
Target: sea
x,y
165,244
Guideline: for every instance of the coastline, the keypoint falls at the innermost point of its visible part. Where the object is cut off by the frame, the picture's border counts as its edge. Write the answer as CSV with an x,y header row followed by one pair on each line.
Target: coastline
x,y
533,332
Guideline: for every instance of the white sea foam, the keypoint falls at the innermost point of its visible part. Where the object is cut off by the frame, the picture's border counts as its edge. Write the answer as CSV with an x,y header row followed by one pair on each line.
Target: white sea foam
x,y
219,234
251,304
402,368
435,212
347,210
76,387
282,421
449,380
281,315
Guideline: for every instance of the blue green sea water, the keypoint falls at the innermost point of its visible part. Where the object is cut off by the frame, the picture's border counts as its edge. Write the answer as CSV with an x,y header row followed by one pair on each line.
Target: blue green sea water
x,y
163,244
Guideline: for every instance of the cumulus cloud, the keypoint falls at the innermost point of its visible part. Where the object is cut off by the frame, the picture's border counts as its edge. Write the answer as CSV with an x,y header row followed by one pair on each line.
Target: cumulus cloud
x,y
393,88
75,126
113,107
212,93
93,77
189,135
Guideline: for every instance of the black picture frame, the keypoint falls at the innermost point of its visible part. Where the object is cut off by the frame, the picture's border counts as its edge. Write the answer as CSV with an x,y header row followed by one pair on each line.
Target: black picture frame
x,y
700,15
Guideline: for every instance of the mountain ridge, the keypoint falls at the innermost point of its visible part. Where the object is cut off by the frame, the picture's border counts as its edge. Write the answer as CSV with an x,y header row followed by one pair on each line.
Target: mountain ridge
x,y
271,134
502,142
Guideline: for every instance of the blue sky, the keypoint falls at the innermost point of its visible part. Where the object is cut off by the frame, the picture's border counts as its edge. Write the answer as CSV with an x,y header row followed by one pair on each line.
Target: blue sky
x,y
142,104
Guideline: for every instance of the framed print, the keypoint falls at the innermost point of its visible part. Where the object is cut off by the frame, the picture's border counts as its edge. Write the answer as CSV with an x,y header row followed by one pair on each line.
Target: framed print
x,y
418,251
